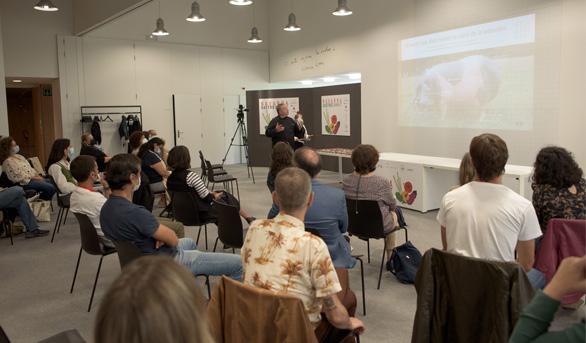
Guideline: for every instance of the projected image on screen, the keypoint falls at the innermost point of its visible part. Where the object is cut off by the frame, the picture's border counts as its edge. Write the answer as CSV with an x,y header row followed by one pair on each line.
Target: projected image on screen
x,y
478,76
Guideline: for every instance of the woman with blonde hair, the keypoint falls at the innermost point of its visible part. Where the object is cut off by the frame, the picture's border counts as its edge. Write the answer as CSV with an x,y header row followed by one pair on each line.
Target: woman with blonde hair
x,y
467,172
155,299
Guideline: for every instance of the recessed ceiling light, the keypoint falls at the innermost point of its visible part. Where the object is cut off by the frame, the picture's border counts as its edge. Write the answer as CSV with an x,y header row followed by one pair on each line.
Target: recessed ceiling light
x,y
240,2
354,76
307,82
17,81
328,79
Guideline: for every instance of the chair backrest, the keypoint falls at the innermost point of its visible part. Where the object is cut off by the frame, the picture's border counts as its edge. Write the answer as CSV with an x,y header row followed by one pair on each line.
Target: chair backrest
x,y
230,229
185,209
203,164
313,231
127,252
365,219
270,317
90,242
209,171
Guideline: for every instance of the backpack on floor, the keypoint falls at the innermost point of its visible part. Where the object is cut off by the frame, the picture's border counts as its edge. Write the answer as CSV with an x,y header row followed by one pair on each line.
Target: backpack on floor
x,y
404,262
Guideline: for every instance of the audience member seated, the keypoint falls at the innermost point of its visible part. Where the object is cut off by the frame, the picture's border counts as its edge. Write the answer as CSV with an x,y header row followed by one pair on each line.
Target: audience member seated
x,y
19,171
84,199
58,165
121,220
533,325
327,213
279,256
182,179
153,165
363,184
281,158
484,218
153,300
559,189
13,198
466,171
88,147
135,141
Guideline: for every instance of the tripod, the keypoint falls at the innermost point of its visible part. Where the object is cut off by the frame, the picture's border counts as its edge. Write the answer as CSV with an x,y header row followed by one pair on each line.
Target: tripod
x,y
243,134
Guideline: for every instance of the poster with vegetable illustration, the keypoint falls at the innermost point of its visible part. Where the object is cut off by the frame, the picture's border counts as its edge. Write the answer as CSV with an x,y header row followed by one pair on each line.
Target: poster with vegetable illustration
x,y
267,110
335,111
405,193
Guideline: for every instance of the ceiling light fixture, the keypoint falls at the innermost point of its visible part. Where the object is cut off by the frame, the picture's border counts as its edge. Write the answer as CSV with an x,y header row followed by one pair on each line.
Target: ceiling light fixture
x,y
160,26
292,25
328,79
307,82
354,76
17,81
45,6
342,9
195,16
254,38
240,2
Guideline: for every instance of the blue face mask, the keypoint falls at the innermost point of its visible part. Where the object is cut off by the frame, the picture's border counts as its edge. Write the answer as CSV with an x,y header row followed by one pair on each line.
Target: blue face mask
x,y
71,151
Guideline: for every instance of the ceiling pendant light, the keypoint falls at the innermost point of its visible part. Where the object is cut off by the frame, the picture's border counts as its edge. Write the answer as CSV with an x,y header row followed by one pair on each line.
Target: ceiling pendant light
x,y
342,9
241,2
292,25
45,6
254,38
160,29
195,15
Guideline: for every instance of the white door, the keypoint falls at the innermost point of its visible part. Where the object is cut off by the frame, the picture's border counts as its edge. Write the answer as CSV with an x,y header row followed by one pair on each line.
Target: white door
x,y
188,124
236,153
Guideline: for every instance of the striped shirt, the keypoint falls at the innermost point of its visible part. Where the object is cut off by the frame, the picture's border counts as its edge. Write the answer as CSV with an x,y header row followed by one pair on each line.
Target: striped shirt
x,y
194,181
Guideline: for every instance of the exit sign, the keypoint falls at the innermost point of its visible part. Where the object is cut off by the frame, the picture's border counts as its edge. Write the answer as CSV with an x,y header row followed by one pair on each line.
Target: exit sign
x,y
47,92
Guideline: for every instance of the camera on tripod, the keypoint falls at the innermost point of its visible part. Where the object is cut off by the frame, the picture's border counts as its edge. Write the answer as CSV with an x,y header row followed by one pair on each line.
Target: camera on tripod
x,y
240,114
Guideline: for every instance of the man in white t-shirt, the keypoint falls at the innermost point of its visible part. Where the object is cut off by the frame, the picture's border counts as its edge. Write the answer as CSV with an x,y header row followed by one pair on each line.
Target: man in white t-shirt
x,y
484,218
84,199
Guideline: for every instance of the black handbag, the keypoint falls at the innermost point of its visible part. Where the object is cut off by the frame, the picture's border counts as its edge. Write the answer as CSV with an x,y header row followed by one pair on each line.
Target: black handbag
x,y
404,262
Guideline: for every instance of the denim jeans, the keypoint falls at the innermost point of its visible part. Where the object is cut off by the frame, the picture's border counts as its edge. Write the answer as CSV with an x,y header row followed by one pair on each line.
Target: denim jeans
x,y
208,263
13,197
46,189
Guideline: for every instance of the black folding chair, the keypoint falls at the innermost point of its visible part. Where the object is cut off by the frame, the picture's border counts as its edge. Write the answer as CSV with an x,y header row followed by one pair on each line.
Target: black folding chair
x,y
230,231
90,243
359,258
225,179
366,222
186,210
63,201
127,252
217,169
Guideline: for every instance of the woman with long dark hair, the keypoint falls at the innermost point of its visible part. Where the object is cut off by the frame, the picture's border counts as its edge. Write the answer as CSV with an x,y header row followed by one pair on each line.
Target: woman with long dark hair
x,y
19,171
281,158
58,165
150,153
559,188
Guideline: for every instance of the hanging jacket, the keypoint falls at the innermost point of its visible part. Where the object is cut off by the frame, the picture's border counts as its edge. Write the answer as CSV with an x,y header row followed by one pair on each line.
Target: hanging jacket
x,y
136,125
123,128
464,299
96,131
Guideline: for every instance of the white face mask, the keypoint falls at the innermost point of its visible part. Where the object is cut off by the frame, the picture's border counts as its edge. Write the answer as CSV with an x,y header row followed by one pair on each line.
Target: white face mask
x,y
71,152
15,150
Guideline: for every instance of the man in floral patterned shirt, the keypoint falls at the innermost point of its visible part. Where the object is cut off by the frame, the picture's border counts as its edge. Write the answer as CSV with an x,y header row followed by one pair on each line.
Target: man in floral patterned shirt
x,y
278,255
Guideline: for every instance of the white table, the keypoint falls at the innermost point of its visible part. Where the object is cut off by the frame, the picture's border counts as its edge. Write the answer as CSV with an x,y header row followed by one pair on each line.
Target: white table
x,y
419,182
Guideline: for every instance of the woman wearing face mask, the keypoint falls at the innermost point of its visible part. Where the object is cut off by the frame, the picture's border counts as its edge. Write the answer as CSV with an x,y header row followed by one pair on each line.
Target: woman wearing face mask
x,y
19,171
153,164
58,165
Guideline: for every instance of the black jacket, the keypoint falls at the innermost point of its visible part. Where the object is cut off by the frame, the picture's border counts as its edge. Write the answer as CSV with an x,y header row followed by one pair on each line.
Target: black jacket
x,y
464,299
96,131
288,135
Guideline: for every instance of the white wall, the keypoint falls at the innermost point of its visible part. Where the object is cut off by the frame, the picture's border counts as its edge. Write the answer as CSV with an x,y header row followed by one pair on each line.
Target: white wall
x,y
97,71
30,37
88,13
3,109
368,42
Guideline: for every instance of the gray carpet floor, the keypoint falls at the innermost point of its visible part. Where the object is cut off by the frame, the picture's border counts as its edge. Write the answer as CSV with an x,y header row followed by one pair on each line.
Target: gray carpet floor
x,y
35,276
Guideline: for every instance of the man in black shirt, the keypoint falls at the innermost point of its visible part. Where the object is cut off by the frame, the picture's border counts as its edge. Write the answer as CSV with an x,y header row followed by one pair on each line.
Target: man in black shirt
x,y
88,148
283,128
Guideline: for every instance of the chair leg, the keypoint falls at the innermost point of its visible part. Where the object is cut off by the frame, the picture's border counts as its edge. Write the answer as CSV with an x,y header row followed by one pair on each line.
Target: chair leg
x,y
233,250
76,268
216,243
95,283
8,229
362,279
205,232
198,233
57,222
382,262
237,190
65,218
368,248
209,287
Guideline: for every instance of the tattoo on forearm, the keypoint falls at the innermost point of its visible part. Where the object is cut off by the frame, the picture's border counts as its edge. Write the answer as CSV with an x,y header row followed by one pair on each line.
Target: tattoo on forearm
x,y
329,303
